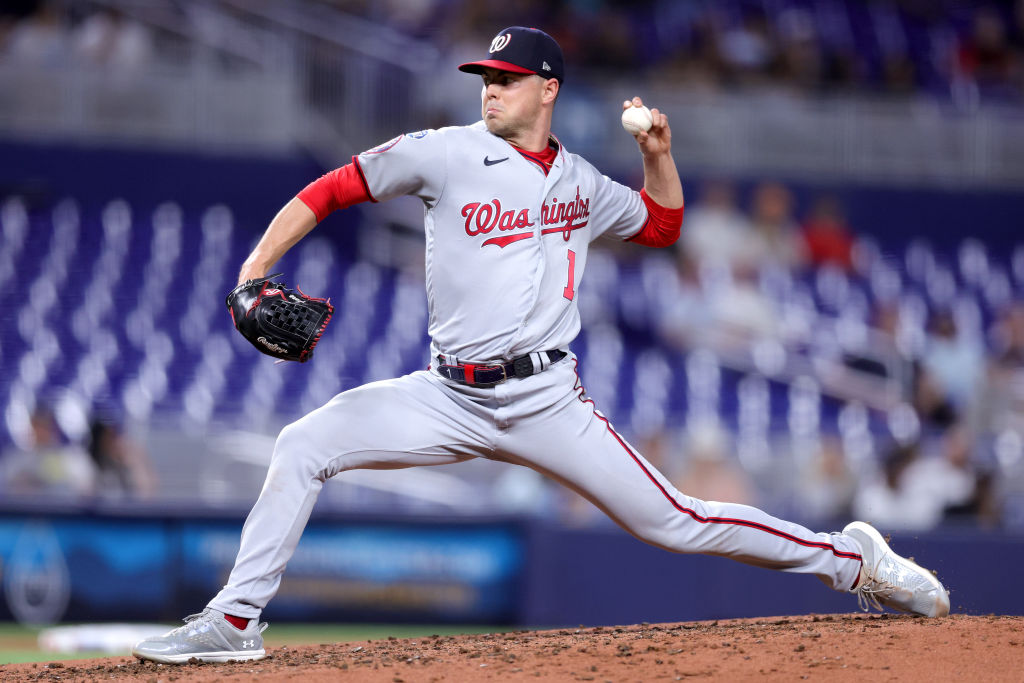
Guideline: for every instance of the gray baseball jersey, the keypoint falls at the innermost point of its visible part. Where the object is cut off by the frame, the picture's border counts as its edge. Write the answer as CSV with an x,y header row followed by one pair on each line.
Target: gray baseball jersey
x,y
506,246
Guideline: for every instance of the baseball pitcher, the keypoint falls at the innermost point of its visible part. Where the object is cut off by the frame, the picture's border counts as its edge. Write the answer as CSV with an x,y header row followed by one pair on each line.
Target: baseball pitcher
x,y
509,215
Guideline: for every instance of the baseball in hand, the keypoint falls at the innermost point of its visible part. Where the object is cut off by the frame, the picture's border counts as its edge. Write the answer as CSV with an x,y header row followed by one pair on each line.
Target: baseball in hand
x,y
637,120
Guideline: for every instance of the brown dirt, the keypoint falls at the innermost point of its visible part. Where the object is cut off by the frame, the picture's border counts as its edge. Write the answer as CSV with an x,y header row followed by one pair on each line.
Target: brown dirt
x,y
831,647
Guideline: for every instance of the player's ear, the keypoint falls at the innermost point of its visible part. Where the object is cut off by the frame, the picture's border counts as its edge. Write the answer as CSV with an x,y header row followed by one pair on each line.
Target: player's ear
x,y
550,92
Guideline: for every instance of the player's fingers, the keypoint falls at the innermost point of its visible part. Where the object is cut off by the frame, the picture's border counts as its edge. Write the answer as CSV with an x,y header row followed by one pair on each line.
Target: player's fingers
x,y
637,102
655,117
627,104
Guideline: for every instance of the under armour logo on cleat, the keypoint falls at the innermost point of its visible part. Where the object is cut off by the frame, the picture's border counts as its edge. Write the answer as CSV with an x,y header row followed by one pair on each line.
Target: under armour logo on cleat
x,y
248,643
490,162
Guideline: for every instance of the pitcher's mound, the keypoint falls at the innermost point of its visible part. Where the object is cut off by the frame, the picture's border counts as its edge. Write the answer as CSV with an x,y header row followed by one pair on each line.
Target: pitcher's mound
x,y
838,647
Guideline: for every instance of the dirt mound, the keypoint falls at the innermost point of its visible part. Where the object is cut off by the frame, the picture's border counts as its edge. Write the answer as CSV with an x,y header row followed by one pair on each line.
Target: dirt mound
x,y
833,647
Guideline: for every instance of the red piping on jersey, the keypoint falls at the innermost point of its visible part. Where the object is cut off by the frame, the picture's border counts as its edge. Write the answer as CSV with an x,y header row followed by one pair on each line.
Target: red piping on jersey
x,y
543,159
693,513
362,177
530,157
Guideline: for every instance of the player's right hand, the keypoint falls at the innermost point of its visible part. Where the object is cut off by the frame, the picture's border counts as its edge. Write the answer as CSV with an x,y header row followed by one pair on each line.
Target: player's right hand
x,y
658,140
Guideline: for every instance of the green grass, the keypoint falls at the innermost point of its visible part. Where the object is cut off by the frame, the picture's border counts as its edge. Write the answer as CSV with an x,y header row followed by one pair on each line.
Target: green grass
x,y
23,656
19,643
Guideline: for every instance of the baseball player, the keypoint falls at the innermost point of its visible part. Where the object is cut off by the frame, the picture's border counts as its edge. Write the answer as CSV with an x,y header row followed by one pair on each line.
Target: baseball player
x,y
509,215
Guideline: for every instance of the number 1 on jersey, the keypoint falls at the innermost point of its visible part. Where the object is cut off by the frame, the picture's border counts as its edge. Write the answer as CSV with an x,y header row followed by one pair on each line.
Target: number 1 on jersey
x,y
570,291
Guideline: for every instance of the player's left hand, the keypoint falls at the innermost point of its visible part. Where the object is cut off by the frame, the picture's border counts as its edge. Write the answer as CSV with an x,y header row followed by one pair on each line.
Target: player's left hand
x,y
279,321
658,140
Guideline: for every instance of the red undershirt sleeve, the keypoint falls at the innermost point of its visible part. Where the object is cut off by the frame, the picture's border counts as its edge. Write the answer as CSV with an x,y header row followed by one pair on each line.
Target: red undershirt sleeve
x,y
339,189
662,227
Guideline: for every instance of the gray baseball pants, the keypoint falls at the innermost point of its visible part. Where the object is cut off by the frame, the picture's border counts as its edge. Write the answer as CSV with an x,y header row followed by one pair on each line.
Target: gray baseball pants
x,y
543,422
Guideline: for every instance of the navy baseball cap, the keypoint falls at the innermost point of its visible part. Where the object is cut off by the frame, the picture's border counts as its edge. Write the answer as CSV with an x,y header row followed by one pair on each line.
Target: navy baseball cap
x,y
522,51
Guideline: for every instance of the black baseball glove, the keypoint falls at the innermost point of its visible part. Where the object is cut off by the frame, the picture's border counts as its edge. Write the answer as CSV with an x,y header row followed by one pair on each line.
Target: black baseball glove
x,y
280,322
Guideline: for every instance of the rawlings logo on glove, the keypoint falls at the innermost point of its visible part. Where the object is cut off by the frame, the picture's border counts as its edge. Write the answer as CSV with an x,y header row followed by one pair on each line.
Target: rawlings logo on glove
x,y
271,345
280,322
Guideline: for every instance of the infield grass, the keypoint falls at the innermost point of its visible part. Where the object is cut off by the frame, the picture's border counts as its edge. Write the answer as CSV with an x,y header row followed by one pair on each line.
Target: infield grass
x,y
20,643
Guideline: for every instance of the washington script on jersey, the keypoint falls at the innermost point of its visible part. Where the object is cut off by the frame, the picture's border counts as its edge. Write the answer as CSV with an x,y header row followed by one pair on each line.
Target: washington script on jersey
x,y
483,218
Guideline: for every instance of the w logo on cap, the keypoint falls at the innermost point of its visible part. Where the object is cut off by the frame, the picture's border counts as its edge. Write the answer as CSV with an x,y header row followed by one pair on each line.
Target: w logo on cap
x,y
522,50
499,43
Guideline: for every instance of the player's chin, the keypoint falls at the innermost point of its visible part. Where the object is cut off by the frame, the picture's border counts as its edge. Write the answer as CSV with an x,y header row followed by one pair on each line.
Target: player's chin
x,y
494,124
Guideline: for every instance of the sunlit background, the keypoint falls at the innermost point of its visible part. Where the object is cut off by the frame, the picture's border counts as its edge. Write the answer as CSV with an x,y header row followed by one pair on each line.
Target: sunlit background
x,y
838,334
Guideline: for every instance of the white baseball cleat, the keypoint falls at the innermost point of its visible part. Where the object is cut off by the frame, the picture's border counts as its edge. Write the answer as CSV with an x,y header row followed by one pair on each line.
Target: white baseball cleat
x,y
888,580
206,636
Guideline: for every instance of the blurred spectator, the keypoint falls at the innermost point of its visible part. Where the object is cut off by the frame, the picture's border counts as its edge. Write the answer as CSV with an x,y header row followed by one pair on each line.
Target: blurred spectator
x,y
1016,38
748,50
930,401
717,302
47,466
844,68
122,467
802,63
827,238
1008,354
710,44
738,307
776,239
888,502
11,12
984,56
110,39
604,40
709,472
928,481
950,479
695,60
954,359
40,39
716,231
685,321
899,74
1001,405
825,488
875,358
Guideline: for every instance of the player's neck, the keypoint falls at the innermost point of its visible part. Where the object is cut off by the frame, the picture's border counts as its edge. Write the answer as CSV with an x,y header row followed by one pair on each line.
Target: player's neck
x,y
531,141
535,138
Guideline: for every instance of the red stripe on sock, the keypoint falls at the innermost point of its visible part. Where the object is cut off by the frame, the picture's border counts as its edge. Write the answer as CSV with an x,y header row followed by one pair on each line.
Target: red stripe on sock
x,y
240,623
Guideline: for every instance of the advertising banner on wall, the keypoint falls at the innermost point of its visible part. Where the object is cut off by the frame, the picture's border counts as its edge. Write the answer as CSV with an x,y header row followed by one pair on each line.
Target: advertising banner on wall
x,y
55,569
60,568
371,571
